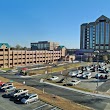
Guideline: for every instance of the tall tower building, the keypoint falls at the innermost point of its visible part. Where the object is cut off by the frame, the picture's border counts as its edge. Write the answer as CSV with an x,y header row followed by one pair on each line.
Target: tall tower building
x,y
96,35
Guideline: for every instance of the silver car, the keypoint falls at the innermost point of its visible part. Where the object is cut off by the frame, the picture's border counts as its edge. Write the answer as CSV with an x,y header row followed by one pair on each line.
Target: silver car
x,y
29,98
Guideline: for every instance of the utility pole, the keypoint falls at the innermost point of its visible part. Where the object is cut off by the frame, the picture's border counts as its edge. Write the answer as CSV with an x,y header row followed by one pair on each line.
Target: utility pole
x,y
66,75
97,70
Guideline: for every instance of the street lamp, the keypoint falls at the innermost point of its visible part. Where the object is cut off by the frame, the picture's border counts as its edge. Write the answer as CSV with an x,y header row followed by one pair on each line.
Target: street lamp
x,y
81,58
97,68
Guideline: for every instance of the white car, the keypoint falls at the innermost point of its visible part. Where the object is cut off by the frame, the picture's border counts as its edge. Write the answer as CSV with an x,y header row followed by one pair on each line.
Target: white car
x,y
6,85
2,71
86,75
73,82
9,88
101,69
79,75
14,70
73,73
18,92
29,98
79,71
54,78
88,68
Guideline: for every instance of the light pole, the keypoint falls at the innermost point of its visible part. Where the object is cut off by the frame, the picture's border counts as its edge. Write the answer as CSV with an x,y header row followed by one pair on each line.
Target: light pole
x,y
81,58
97,69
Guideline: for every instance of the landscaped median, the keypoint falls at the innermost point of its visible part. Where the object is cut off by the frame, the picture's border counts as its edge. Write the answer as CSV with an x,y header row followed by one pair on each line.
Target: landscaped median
x,y
49,98
58,68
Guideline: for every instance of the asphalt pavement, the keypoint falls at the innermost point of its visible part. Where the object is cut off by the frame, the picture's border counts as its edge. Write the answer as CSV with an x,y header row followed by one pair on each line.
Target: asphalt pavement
x,y
104,87
95,102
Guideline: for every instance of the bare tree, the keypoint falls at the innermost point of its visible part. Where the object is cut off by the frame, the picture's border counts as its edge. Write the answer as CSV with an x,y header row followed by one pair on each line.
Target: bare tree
x,y
18,47
66,74
24,48
72,60
105,58
90,59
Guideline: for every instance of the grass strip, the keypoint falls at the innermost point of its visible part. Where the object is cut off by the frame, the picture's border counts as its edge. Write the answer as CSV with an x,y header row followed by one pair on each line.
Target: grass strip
x,y
56,69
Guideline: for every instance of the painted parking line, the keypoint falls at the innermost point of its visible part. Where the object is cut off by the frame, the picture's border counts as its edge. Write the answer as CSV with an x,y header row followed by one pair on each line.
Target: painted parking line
x,y
40,107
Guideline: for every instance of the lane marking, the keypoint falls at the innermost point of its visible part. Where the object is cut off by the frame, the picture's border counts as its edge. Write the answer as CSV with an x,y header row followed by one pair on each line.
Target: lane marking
x,y
40,106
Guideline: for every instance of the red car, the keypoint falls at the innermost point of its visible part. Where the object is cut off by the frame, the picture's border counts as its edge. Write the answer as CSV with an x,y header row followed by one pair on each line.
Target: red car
x,y
1,83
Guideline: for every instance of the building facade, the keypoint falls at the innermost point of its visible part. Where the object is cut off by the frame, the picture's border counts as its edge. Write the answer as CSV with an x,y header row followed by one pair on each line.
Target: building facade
x,y
13,58
96,35
44,45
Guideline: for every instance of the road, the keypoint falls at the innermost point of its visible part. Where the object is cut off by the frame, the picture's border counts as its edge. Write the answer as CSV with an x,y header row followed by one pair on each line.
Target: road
x,y
104,87
97,103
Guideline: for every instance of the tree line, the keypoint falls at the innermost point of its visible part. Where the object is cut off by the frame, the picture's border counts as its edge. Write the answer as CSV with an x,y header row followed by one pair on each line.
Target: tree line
x,y
19,47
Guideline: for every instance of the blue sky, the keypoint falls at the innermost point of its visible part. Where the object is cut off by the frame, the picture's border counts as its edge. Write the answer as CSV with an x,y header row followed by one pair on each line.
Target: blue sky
x,y
26,21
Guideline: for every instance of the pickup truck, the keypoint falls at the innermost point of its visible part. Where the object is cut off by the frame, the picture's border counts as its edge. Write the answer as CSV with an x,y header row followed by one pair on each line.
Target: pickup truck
x,y
18,92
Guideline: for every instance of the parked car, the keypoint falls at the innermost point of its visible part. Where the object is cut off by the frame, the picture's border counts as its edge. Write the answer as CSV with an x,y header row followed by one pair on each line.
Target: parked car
x,y
2,71
73,82
79,75
103,76
101,69
97,75
54,78
73,73
9,88
7,94
1,83
86,75
18,92
19,97
88,68
5,85
29,98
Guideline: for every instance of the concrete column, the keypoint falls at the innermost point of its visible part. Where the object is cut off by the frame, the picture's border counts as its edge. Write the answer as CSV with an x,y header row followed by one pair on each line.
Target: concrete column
x,y
3,58
21,58
36,56
12,58
25,57
9,57
17,58
32,57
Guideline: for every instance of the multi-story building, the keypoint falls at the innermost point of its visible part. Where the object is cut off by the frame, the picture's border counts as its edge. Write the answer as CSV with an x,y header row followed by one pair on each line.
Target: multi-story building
x,y
13,58
96,35
44,45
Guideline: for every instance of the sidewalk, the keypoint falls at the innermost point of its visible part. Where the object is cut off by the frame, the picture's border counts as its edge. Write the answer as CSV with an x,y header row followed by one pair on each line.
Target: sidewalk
x,y
76,90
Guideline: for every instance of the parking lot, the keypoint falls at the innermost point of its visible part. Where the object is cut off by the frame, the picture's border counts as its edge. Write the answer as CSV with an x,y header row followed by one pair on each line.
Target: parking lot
x,y
6,104
91,84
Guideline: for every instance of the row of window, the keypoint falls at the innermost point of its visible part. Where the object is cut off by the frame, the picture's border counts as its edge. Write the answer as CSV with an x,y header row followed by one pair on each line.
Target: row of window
x,y
99,34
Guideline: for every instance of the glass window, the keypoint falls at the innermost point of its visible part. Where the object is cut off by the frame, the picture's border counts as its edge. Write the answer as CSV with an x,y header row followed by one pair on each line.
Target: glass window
x,y
107,34
38,45
97,34
41,46
102,33
106,47
101,47
91,36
